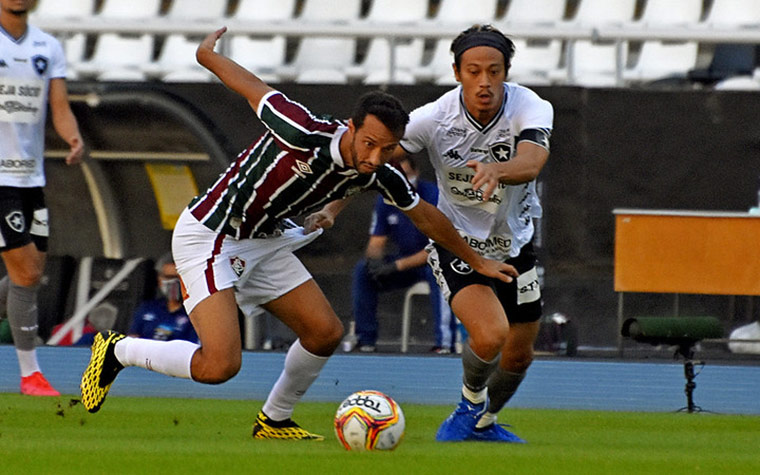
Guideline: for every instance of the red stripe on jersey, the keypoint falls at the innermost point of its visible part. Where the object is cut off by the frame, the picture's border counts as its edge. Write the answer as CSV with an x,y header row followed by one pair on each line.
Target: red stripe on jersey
x,y
209,272
214,194
300,115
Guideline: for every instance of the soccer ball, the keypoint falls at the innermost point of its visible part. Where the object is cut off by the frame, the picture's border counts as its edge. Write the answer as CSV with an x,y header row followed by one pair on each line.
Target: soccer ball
x,y
369,420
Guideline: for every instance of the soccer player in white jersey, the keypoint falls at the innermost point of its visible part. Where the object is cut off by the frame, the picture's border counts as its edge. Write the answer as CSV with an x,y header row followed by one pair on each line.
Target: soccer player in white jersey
x,y
487,139
234,245
32,74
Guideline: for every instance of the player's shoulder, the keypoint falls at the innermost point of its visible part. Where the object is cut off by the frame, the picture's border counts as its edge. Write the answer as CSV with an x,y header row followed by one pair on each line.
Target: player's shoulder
x,y
40,36
522,93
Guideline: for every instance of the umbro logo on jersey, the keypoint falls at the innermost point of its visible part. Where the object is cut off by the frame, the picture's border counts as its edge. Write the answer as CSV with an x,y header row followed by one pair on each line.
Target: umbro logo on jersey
x,y
15,220
302,168
500,151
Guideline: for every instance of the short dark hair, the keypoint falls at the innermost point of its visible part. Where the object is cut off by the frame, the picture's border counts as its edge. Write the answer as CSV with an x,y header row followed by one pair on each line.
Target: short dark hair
x,y
387,108
483,35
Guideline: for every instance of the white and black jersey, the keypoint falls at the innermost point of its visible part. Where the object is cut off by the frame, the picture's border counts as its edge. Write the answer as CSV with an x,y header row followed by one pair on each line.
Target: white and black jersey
x,y
26,66
499,227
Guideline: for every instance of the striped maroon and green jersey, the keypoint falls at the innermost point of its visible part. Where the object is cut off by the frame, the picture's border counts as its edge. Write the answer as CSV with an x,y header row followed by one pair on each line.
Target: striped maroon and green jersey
x,y
295,168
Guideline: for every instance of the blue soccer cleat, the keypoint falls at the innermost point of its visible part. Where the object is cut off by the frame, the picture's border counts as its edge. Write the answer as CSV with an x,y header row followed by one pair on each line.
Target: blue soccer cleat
x,y
495,433
460,424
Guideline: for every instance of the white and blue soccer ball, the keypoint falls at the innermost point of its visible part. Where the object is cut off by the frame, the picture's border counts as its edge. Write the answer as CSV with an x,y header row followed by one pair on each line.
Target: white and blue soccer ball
x,y
369,420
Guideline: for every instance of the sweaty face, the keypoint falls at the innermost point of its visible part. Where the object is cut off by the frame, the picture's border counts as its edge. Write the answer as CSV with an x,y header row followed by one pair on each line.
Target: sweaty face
x,y
482,74
372,145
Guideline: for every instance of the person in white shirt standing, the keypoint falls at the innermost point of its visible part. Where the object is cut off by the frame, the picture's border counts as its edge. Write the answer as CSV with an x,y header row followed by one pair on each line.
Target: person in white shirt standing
x,y
32,74
487,140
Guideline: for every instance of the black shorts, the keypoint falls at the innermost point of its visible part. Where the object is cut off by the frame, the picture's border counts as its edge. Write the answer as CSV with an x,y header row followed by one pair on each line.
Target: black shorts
x,y
23,218
521,298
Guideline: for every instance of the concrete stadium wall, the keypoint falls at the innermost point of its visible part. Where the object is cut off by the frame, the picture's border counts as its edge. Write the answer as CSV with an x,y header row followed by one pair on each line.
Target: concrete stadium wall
x,y
655,149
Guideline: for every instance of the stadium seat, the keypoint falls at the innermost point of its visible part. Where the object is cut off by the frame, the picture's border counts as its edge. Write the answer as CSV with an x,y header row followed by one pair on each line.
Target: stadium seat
x,y
321,60
265,10
728,60
668,12
129,9
594,65
263,56
420,288
472,11
601,12
733,13
533,60
119,56
659,60
375,68
738,83
177,60
67,9
534,11
197,10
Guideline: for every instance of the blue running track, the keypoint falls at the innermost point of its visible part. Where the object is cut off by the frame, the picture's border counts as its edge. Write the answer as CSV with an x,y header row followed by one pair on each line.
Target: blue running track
x,y
551,383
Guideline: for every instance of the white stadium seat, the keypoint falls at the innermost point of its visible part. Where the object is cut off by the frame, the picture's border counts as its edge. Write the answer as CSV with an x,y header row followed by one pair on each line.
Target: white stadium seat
x,y
263,56
535,11
734,12
601,12
668,12
67,9
119,56
265,10
658,60
130,9
210,10
326,59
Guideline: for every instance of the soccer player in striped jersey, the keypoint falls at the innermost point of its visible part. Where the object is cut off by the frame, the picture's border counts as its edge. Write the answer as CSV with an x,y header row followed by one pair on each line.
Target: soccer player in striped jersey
x,y
487,140
234,245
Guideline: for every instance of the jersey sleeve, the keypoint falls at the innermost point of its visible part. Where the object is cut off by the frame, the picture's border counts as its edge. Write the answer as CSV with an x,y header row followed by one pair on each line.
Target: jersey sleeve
x,y
293,125
57,60
395,188
419,130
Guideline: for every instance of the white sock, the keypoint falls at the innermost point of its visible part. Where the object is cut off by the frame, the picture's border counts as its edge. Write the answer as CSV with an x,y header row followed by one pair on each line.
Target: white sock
x,y
301,369
171,358
476,397
486,420
27,362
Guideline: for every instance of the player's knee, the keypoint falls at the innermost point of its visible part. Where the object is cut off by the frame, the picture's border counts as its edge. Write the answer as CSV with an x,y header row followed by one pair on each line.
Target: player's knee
x,y
520,360
27,276
490,342
324,340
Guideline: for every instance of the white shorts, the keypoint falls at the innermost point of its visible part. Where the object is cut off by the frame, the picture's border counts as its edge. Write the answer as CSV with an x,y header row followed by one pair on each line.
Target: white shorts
x,y
260,269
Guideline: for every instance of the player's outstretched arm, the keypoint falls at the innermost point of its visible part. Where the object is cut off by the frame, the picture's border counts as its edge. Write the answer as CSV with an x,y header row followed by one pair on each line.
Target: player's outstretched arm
x,y
229,72
324,218
437,227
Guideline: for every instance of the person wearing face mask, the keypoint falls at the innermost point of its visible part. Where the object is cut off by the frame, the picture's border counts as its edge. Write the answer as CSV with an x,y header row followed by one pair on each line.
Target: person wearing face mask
x,y
164,318
395,258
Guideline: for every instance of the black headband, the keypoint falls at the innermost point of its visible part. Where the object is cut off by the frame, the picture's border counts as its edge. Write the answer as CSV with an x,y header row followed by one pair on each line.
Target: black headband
x,y
482,38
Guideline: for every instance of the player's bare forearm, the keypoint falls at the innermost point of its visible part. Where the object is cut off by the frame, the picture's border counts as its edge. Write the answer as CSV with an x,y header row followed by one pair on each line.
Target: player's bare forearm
x,y
325,218
229,72
522,168
430,221
64,121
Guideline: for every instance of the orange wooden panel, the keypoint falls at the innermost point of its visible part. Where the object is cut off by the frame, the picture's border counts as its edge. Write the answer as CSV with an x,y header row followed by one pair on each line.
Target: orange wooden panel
x,y
713,253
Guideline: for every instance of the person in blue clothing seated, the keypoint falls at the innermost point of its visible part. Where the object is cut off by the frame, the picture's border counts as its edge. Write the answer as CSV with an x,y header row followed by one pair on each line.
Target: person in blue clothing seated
x,y
395,258
164,318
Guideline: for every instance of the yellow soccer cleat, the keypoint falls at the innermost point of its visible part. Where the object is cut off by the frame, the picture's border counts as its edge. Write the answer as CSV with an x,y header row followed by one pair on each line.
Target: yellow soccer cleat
x,y
266,428
102,370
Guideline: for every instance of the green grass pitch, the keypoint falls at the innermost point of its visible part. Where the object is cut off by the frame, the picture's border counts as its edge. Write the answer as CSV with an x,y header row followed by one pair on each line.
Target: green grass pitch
x,y
162,435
